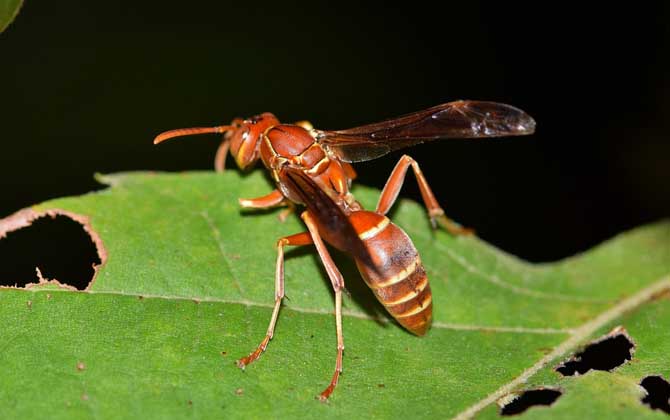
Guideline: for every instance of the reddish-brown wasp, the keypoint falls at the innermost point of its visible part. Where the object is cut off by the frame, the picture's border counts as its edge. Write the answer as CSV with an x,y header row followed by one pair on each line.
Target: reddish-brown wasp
x,y
313,168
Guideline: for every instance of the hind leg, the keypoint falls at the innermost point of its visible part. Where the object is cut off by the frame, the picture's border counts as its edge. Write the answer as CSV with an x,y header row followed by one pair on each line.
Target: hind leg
x,y
394,184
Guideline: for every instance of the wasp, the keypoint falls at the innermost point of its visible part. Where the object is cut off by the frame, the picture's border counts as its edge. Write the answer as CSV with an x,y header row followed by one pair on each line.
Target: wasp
x,y
312,168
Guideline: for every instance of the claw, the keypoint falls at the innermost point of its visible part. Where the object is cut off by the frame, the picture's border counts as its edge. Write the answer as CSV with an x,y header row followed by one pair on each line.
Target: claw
x,y
245,361
453,227
437,217
323,397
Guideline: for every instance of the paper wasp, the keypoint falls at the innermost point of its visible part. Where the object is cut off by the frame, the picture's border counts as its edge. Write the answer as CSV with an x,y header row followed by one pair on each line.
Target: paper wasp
x,y
313,168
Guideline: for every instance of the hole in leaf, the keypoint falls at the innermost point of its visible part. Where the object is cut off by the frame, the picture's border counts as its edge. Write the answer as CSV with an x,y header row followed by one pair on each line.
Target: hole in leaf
x,y
658,393
530,398
57,245
605,354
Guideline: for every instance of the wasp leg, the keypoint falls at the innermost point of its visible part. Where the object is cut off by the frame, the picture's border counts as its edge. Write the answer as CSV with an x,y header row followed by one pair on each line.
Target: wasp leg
x,y
303,238
338,285
284,214
392,188
273,199
221,154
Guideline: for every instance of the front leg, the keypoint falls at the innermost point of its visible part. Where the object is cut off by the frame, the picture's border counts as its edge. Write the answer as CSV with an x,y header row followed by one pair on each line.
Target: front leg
x,y
298,239
221,154
274,199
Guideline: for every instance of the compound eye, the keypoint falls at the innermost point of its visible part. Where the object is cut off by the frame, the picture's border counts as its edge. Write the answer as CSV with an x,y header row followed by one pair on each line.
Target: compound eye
x,y
238,137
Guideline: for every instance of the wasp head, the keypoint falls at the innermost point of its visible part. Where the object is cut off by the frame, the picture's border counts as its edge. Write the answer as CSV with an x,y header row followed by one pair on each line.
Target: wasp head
x,y
243,137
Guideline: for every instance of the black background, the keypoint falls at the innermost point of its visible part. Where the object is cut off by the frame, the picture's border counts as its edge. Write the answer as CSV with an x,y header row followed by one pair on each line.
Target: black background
x,y
85,86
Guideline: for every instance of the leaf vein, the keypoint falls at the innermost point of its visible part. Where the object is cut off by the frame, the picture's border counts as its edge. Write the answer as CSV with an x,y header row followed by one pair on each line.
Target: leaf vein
x,y
314,311
579,336
496,280
222,250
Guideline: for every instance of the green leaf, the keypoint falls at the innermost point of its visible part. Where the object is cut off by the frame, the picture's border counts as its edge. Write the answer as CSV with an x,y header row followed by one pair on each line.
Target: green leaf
x,y
189,275
8,11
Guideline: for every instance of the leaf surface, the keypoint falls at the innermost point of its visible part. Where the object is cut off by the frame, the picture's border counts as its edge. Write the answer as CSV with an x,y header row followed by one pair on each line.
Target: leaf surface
x,y
189,275
8,11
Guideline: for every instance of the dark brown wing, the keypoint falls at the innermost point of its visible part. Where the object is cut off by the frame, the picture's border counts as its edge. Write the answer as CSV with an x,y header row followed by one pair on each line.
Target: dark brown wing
x,y
460,119
333,223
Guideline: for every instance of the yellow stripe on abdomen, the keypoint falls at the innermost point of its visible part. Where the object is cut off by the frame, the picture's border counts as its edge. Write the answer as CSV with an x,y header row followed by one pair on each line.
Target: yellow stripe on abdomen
x,y
397,277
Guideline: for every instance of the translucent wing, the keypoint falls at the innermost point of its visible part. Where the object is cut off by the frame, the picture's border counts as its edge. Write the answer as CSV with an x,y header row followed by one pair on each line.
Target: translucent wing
x,y
460,119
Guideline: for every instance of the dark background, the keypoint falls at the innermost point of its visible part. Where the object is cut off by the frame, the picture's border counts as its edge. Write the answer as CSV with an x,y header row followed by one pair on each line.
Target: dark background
x,y
85,86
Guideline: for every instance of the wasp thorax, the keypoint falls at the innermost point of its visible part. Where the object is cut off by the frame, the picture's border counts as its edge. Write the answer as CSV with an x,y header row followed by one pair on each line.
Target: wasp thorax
x,y
285,142
245,139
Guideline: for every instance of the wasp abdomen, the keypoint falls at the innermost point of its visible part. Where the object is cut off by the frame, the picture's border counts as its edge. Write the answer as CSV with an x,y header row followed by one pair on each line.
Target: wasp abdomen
x,y
398,278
